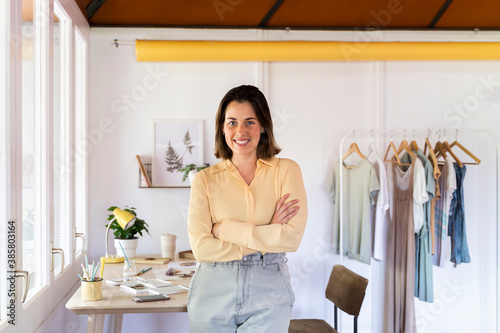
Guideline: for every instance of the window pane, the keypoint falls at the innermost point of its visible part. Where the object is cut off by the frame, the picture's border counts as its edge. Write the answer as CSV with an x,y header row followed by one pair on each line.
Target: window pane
x,y
30,160
62,137
80,151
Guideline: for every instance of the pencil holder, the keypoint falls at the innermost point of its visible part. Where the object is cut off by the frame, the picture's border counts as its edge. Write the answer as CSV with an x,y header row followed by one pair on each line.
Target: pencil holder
x,y
92,290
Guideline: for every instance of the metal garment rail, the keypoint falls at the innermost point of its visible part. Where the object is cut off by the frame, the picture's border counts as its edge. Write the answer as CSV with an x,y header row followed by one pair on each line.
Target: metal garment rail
x,y
429,132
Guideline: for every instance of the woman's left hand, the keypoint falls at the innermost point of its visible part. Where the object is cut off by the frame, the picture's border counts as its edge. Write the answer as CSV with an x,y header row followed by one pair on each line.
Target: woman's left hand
x,y
216,229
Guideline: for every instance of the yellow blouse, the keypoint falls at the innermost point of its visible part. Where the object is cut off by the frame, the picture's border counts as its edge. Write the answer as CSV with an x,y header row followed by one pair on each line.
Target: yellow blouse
x,y
219,194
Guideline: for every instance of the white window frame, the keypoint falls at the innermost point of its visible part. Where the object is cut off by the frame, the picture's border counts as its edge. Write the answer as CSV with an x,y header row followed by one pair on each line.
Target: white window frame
x,y
66,129
80,147
41,301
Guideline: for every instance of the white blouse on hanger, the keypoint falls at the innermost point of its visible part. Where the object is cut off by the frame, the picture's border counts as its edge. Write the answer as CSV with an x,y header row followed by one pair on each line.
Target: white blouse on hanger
x,y
382,205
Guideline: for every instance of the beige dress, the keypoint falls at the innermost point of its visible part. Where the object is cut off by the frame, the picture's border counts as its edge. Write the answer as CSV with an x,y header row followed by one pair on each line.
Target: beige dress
x,y
400,260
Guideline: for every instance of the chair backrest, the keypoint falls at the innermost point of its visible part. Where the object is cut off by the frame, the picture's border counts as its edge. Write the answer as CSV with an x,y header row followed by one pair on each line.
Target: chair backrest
x,y
346,290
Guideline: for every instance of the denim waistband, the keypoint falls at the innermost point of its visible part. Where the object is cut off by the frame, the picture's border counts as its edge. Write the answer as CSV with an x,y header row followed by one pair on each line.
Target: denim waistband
x,y
253,259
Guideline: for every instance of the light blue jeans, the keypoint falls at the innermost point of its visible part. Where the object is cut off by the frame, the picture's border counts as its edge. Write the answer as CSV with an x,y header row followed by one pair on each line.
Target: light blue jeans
x,y
249,295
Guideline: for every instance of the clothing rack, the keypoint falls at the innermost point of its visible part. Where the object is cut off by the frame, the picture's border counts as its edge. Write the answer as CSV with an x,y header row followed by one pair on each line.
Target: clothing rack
x,y
429,132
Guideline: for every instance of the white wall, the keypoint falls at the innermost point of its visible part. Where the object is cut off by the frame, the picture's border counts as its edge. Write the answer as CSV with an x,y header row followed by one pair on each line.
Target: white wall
x,y
314,105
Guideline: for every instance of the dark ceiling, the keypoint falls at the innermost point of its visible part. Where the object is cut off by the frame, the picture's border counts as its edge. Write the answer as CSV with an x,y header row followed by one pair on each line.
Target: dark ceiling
x,y
295,14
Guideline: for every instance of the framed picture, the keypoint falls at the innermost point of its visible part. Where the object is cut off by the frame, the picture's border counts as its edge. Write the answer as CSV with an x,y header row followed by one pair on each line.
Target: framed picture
x,y
176,144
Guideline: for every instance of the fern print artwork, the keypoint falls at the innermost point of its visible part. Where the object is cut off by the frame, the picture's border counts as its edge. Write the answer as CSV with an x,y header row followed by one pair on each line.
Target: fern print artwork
x,y
176,144
174,162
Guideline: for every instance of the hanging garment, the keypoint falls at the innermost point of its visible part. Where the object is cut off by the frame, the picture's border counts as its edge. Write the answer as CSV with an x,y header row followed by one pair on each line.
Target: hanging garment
x,y
423,255
437,196
447,184
359,187
433,224
420,195
424,288
420,189
382,207
400,260
456,223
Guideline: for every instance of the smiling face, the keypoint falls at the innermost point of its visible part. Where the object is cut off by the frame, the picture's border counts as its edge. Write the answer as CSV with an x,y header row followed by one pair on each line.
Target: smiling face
x,y
242,129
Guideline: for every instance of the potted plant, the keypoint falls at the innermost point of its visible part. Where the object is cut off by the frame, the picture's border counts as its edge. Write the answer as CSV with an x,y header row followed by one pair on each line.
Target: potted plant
x,y
190,170
127,238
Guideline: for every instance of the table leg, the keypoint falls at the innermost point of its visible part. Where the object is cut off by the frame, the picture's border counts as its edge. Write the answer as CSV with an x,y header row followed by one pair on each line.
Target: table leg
x,y
116,322
95,323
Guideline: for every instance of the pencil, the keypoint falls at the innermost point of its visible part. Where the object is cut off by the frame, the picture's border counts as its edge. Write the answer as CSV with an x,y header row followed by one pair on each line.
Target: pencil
x,y
92,272
102,268
128,262
144,271
95,270
85,274
86,261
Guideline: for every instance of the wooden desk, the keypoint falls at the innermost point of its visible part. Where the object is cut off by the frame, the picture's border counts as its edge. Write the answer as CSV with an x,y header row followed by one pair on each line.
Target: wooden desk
x,y
116,301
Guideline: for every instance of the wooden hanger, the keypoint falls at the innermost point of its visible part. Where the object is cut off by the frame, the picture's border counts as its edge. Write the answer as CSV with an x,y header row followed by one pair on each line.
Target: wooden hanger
x,y
439,149
443,148
477,161
394,150
455,157
432,155
413,143
403,146
353,148
428,143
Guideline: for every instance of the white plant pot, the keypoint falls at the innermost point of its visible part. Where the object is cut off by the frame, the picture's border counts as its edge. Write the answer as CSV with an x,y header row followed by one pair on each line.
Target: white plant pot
x,y
191,175
129,246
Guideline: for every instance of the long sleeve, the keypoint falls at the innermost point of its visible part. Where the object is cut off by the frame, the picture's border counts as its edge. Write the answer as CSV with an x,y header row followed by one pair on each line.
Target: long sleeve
x,y
273,237
205,247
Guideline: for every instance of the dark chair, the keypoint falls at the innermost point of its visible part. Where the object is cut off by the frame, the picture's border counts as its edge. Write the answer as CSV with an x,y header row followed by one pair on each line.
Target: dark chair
x,y
346,290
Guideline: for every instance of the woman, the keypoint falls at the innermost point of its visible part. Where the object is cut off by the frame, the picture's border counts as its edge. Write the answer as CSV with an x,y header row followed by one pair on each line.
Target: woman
x,y
244,213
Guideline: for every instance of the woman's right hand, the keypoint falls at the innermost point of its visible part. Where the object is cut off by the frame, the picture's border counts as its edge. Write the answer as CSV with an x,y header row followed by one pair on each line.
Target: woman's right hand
x,y
285,211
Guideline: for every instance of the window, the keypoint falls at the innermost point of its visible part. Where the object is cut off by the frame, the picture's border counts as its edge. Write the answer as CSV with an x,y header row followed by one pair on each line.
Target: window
x,y
40,62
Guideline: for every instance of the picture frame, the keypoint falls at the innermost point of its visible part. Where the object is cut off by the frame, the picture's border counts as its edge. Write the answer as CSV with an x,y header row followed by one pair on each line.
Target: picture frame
x,y
176,143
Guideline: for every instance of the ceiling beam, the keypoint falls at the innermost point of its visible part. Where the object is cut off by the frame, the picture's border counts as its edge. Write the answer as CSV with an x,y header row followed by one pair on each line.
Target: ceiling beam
x,y
271,13
440,13
93,7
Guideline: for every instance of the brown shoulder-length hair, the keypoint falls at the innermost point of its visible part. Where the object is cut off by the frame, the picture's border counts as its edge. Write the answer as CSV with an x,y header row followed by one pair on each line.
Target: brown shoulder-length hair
x,y
267,147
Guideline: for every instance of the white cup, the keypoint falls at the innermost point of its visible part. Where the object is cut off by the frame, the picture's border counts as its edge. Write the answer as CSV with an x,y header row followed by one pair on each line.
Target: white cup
x,y
168,246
